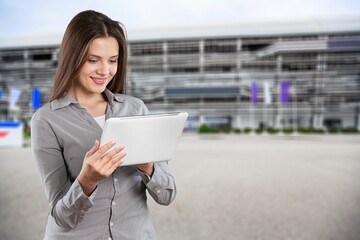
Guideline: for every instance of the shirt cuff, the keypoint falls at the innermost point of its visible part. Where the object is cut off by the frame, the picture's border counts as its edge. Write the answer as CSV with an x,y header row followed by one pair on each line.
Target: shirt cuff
x,y
144,176
78,199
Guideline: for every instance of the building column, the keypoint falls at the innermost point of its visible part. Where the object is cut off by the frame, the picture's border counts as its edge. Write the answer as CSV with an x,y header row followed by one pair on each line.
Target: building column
x,y
238,55
236,122
318,120
278,114
357,117
201,56
165,57
201,120
278,121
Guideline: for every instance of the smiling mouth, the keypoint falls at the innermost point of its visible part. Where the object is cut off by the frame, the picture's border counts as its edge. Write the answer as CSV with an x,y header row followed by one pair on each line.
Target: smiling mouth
x,y
99,81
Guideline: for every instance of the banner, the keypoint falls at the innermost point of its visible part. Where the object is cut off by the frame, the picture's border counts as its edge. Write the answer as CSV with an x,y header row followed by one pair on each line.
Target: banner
x,y
36,98
254,92
1,93
284,91
14,97
267,93
11,134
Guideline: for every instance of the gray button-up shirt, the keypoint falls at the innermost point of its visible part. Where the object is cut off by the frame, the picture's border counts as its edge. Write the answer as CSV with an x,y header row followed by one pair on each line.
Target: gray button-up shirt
x,y
62,132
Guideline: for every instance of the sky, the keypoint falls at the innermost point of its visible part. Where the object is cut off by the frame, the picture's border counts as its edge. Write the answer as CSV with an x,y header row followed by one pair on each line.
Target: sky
x,y
22,17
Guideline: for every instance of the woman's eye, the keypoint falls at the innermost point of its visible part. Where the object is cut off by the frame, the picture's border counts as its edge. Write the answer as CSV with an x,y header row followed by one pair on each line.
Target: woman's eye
x,y
113,60
92,60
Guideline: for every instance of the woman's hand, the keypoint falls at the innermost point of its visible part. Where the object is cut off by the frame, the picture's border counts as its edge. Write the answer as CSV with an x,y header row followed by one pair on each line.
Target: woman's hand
x,y
147,168
98,166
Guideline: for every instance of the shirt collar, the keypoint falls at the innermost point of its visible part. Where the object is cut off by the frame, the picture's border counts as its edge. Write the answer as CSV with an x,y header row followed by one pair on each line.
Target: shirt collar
x,y
63,101
66,100
111,97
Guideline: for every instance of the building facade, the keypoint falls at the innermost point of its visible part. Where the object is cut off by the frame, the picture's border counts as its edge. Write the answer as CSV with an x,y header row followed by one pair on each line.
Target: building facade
x,y
277,75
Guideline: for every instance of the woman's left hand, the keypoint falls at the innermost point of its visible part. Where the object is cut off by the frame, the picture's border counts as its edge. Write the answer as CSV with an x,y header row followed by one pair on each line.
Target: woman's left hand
x,y
148,168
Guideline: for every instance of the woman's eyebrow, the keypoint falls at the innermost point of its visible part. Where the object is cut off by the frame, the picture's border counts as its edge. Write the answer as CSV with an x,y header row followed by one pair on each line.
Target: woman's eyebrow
x,y
94,55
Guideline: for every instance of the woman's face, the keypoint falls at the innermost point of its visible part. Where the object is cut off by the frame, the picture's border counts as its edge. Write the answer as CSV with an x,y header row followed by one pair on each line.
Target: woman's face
x,y
100,67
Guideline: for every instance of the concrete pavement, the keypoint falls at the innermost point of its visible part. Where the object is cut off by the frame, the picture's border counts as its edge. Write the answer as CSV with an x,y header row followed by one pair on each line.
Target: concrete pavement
x,y
229,187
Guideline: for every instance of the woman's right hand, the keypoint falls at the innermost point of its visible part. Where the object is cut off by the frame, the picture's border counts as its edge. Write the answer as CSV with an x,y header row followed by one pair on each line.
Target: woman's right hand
x,y
98,166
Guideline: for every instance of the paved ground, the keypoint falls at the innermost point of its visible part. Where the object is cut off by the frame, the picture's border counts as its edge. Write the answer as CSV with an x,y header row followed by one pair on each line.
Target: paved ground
x,y
229,187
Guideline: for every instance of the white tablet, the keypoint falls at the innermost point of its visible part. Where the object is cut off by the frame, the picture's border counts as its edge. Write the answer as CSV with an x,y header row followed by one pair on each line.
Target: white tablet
x,y
147,138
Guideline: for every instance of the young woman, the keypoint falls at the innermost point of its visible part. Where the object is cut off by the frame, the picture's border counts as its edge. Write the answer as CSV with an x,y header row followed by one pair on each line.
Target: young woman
x,y
91,196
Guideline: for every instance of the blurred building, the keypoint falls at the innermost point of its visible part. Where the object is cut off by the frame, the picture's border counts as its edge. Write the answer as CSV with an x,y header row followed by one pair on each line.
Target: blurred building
x,y
294,74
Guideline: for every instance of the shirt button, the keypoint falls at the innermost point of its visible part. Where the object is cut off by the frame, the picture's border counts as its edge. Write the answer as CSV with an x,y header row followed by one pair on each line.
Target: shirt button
x,y
115,179
157,190
110,238
111,224
113,203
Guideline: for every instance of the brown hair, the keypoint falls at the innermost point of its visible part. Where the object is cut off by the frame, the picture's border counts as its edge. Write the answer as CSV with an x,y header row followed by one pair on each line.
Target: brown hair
x,y
74,50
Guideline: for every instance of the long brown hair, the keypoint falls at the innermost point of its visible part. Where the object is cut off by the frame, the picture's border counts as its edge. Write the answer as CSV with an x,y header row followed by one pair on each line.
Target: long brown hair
x,y
74,50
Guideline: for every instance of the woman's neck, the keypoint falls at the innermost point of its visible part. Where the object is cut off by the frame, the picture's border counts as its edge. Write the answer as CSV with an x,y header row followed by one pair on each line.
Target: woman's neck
x,y
94,103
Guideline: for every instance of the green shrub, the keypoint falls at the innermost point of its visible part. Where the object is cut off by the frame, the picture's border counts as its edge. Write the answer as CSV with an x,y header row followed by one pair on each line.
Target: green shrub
x,y
259,130
302,130
225,130
272,130
349,130
237,130
311,130
320,130
26,135
248,130
206,129
333,130
288,130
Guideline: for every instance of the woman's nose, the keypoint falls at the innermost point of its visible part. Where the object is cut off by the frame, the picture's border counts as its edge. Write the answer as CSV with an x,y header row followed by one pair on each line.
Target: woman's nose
x,y
103,69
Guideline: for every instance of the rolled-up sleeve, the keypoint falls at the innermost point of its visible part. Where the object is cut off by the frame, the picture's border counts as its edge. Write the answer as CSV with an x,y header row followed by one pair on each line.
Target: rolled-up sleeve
x,y
161,186
67,201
